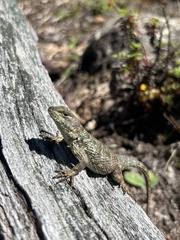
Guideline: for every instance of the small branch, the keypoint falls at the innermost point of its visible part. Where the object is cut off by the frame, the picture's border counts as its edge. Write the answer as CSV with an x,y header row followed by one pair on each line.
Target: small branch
x,y
171,157
173,122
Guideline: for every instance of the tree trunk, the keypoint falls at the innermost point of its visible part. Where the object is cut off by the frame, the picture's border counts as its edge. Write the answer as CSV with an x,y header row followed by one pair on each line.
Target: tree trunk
x,y
32,206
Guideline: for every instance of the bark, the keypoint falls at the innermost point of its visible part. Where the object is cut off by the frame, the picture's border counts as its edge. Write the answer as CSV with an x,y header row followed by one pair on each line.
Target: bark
x,y
32,206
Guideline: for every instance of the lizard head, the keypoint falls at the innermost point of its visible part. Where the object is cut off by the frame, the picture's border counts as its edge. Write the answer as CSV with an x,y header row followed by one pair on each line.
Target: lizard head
x,y
66,122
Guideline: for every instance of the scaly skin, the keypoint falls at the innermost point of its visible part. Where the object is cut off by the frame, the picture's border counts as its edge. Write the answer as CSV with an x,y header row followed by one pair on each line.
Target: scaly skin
x,y
90,152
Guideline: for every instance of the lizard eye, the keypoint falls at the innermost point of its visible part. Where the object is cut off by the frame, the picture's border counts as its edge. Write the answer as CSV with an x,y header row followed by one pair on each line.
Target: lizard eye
x,y
65,114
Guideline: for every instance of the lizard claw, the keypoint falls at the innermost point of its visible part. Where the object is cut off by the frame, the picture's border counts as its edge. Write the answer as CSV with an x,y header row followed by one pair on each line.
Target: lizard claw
x,y
50,137
125,189
63,175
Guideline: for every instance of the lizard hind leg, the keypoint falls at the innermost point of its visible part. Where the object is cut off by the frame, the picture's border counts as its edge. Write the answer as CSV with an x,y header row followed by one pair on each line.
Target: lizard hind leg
x,y
117,176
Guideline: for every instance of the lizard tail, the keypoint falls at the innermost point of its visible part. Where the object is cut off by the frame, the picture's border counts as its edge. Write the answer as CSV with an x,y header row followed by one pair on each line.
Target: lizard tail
x,y
129,162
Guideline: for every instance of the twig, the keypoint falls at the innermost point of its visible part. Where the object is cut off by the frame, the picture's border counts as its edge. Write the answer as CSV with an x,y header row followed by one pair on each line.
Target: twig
x,y
169,36
171,157
177,127
173,122
178,5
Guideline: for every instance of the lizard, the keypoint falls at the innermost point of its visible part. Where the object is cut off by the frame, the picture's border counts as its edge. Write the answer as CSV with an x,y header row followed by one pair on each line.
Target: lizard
x,y
90,152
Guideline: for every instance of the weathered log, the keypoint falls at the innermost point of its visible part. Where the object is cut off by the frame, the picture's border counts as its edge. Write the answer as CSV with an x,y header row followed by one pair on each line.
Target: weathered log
x,y
32,206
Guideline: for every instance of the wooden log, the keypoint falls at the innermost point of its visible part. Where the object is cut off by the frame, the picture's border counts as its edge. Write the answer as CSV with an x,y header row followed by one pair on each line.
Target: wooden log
x,y
32,206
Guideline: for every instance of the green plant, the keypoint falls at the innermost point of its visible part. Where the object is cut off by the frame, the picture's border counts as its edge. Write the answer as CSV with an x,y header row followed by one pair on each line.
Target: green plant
x,y
137,180
72,41
63,13
158,79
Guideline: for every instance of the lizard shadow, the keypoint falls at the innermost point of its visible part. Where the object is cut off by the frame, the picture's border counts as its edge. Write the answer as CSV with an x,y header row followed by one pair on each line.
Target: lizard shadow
x,y
53,151
59,152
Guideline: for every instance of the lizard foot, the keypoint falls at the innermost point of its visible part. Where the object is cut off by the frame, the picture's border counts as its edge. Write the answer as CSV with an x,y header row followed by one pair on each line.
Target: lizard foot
x,y
69,173
126,190
63,175
118,177
50,137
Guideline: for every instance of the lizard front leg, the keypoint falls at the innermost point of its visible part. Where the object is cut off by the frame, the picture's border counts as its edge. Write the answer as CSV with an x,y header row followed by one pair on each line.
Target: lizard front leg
x,y
50,137
69,173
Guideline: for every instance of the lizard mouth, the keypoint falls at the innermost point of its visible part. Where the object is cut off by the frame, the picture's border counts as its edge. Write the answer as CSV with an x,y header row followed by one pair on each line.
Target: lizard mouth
x,y
55,113
58,110
51,111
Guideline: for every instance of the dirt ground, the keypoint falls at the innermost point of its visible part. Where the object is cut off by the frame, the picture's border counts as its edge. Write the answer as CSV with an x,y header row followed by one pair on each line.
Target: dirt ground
x,y
108,105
